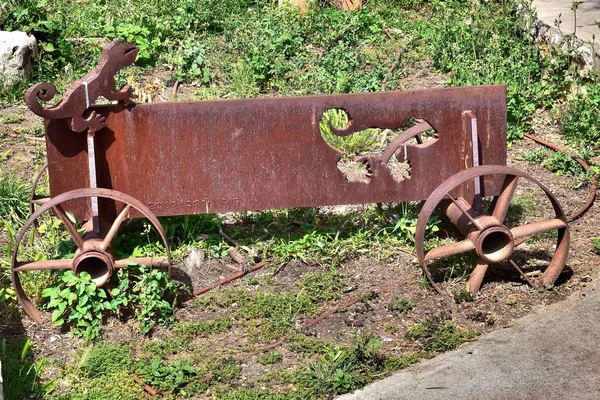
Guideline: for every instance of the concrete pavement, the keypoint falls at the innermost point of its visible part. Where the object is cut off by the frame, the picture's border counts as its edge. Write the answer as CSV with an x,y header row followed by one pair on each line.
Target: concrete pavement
x,y
551,354
588,13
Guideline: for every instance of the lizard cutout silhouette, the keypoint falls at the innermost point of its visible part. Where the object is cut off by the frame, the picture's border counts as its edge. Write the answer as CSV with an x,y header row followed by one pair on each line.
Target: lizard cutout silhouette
x,y
85,91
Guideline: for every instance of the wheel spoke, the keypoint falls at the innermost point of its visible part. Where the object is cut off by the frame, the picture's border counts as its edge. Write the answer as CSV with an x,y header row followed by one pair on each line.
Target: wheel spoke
x,y
502,202
450,250
148,261
42,265
520,271
459,204
476,278
38,201
535,228
115,226
60,212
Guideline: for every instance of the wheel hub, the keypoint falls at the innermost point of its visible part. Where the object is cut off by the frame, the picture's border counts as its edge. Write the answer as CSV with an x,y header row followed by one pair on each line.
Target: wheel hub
x,y
99,264
495,244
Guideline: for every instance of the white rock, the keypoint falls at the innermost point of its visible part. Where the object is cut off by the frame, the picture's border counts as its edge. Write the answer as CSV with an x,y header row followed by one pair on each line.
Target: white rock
x,y
17,52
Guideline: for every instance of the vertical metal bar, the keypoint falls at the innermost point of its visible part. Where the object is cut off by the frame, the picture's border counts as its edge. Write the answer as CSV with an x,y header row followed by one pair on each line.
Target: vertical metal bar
x,y
93,181
475,144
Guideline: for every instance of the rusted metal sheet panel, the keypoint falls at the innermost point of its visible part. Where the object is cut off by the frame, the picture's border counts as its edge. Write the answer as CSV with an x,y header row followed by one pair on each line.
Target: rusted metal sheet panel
x,y
233,155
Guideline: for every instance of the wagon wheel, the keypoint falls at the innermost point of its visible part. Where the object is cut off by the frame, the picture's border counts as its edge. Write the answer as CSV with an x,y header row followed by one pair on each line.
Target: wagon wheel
x,y
487,234
35,199
93,254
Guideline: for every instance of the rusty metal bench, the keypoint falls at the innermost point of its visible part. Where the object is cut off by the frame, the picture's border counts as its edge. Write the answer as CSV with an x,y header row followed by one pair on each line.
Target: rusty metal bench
x,y
124,160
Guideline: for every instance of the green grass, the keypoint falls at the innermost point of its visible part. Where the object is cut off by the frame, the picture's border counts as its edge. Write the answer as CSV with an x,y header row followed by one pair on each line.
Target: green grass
x,y
20,372
14,198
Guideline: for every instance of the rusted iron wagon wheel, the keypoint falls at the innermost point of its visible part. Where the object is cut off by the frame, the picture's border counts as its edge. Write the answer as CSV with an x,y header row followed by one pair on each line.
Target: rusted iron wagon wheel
x,y
486,233
93,254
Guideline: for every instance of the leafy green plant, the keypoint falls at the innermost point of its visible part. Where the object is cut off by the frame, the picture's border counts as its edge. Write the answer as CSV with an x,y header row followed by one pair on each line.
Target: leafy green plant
x,y
333,373
403,305
170,377
562,164
536,155
580,123
80,303
147,293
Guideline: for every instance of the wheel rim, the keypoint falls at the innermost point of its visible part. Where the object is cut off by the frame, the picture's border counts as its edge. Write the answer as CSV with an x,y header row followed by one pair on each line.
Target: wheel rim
x,y
487,235
93,254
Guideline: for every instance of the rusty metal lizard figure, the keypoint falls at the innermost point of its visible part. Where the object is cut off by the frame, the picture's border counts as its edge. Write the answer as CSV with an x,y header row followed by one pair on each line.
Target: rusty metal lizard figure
x,y
85,91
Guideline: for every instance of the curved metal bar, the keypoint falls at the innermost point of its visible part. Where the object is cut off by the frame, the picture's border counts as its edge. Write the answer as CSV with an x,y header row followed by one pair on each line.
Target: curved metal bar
x,y
408,134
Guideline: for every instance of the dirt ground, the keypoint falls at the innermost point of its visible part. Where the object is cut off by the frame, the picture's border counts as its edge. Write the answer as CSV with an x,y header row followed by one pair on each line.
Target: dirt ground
x,y
503,298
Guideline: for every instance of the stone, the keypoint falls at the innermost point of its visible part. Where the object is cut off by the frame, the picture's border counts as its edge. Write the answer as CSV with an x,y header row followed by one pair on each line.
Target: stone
x,y
17,53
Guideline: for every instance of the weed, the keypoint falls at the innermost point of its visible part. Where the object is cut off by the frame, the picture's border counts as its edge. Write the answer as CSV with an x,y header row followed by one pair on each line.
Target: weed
x,y
277,313
14,198
37,131
169,377
417,331
166,348
403,305
225,371
580,123
270,358
391,328
396,363
364,352
521,206
11,118
309,346
21,374
463,296
596,246
105,359
322,285
78,302
563,164
536,156
439,337
445,338
333,373
252,394
188,330
118,385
